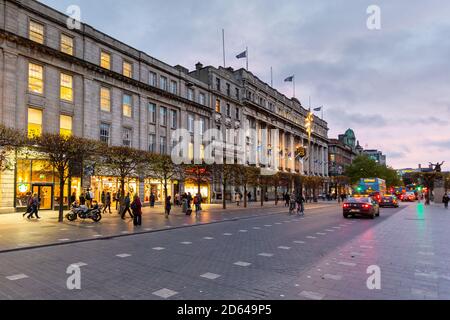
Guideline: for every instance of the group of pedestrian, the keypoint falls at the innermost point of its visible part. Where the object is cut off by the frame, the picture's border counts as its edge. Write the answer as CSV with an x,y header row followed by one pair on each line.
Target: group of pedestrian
x,y
106,200
33,203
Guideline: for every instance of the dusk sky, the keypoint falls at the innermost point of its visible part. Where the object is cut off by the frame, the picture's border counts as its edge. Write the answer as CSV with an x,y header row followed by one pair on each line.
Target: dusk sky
x,y
390,85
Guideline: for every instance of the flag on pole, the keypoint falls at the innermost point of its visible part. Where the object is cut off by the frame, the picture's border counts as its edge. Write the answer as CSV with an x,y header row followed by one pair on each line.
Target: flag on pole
x,y
289,79
318,109
242,55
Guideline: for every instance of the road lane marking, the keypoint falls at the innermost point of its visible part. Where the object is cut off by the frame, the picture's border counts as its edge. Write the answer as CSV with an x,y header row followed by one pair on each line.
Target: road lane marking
x,y
210,276
242,264
300,242
332,277
266,255
64,240
79,264
348,264
17,277
311,237
158,248
256,228
284,248
243,231
329,230
123,255
278,223
312,295
208,238
186,242
227,234
321,234
426,253
165,293
267,225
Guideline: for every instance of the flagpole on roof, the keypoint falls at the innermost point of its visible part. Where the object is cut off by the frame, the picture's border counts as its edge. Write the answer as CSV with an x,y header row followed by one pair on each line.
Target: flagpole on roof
x,y
271,77
223,43
246,50
293,83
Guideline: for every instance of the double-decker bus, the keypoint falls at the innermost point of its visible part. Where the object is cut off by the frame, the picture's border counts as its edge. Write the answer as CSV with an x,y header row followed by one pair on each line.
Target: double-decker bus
x,y
374,187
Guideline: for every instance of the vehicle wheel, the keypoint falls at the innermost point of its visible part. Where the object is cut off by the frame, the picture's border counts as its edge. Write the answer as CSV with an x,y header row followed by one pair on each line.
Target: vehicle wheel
x,y
97,217
372,216
71,217
345,216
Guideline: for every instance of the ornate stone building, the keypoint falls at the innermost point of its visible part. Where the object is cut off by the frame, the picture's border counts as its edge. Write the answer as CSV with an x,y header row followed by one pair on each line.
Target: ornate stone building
x,y
86,83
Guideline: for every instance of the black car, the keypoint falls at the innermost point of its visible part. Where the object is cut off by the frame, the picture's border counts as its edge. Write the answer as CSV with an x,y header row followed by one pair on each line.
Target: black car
x,y
363,206
389,201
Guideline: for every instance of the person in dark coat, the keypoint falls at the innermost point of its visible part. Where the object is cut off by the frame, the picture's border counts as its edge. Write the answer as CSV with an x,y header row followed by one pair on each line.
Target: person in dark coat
x,y
34,207
73,197
107,203
446,200
127,203
103,198
82,199
152,200
136,206
168,206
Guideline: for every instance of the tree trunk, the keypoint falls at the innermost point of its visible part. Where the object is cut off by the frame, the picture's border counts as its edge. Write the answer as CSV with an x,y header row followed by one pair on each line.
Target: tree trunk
x,y
245,196
262,196
276,195
165,194
224,200
61,196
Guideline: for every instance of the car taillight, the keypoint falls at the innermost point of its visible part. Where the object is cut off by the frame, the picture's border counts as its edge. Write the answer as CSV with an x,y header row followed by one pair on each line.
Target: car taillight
x,y
366,206
346,205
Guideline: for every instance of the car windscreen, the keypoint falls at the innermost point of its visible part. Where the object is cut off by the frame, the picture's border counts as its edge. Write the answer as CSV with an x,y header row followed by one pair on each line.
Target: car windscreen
x,y
358,200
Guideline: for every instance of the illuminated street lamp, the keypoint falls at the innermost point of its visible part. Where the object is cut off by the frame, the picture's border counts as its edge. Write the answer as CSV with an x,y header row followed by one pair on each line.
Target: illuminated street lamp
x,y
309,129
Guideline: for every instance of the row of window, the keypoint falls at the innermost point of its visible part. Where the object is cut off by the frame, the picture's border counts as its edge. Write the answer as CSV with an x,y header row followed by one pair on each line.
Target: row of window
x,y
35,123
227,110
37,34
36,82
228,89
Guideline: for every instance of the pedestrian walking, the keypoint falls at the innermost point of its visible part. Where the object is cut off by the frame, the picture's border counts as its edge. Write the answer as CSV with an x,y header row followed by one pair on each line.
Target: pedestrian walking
x,y
88,198
237,198
249,196
168,206
197,203
34,207
103,198
152,200
127,203
107,203
446,200
287,199
136,206
73,197
29,203
82,199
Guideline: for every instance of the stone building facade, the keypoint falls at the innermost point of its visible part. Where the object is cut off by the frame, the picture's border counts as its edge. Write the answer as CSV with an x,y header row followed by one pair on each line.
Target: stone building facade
x,y
82,81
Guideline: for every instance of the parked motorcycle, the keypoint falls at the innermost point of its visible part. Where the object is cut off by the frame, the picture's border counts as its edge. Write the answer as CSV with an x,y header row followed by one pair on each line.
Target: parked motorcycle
x,y
82,212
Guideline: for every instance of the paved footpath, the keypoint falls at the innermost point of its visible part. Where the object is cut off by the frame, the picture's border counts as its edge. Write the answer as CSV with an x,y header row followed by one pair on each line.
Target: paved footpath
x,y
17,232
276,256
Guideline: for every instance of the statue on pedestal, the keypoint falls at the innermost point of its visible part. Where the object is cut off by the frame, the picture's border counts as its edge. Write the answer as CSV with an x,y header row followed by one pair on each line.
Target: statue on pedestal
x,y
437,166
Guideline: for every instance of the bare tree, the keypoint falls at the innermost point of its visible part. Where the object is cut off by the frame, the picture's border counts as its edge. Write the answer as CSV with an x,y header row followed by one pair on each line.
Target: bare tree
x,y
9,140
123,162
246,176
162,168
61,151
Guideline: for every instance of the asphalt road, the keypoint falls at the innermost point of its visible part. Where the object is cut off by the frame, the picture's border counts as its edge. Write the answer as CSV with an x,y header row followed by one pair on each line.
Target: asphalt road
x,y
320,256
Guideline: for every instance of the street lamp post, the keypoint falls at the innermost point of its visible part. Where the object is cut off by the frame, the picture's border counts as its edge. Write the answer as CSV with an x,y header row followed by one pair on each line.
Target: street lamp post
x,y
309,126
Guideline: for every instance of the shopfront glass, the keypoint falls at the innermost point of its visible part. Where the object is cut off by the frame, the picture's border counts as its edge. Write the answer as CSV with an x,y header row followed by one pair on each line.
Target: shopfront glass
x,y
157,188
112,185
193,189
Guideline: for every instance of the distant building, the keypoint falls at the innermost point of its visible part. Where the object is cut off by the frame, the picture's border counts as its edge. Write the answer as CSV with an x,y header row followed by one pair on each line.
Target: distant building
x,y
341,153
376,155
